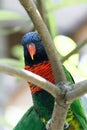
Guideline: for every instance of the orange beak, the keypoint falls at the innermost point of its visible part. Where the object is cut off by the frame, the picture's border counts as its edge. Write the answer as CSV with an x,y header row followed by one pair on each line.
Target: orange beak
x,y
32,50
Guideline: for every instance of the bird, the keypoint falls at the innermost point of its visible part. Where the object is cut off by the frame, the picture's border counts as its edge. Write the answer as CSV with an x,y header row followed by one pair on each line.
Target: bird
x,y
37,117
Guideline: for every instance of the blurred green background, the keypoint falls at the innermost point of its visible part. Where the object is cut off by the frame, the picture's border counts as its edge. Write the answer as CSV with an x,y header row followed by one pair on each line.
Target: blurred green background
x,y
67,23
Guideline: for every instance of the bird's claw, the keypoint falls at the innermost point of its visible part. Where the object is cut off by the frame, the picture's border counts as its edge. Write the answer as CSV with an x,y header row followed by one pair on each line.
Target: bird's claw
x,y
66,126
48,125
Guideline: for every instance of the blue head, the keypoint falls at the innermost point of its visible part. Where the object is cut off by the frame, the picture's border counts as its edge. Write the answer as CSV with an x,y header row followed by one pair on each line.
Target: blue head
x,y
34,51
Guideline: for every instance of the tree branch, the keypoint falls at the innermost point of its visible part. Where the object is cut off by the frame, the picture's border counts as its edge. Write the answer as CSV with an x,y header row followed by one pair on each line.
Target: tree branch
x,y
73,91
41,8
77,91
47,40
59,109
31,77
17,29
80,45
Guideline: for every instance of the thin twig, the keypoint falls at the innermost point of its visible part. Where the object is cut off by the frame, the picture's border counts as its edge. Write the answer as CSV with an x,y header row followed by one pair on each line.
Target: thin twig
x,y
63,111
41,8
80,45
17,29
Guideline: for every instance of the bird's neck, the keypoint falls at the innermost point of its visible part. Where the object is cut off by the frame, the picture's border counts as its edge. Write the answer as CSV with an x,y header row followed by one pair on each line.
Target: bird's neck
x,y
42,69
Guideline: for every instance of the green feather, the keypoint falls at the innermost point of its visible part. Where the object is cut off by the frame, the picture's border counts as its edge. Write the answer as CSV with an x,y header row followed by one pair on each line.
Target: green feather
x,y
30,121
76,106
79,112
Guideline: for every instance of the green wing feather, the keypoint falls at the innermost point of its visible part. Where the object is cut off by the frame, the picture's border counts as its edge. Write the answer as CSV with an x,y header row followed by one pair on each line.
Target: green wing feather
x,y
76,106
30,121
79,112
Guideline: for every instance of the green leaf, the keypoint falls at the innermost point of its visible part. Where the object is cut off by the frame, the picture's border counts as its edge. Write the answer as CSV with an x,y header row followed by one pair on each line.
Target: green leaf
x,y
83,67
64,44
9,15
71,65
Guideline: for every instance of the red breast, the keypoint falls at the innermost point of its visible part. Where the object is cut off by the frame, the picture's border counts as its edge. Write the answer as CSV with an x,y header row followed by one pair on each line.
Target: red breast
x,y
43,69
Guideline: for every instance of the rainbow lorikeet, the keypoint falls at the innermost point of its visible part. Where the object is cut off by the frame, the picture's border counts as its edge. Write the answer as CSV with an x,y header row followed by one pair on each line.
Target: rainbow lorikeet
x,y
36,61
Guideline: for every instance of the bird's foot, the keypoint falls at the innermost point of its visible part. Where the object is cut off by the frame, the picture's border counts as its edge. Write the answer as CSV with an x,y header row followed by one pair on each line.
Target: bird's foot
x,y
66,126
48,125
